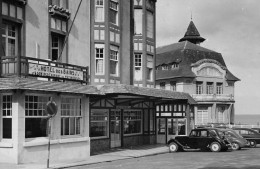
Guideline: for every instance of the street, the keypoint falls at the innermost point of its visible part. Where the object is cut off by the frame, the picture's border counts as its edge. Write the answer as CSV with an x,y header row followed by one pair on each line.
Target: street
x,y
247,158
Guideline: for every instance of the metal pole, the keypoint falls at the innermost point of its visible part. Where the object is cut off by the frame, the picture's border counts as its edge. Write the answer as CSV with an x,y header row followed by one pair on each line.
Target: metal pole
x,y
66,38
49,142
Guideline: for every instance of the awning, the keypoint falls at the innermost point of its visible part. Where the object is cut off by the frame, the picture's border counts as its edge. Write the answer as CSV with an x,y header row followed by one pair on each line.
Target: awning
x,y
144,91
33,84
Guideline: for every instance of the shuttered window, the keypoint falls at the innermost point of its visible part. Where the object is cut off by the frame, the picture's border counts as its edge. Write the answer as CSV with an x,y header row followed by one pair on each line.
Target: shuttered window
x,y
202,115
138,21
150,25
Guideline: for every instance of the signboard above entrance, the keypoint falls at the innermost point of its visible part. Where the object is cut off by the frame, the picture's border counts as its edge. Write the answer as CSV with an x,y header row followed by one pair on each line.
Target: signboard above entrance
x,y
56,72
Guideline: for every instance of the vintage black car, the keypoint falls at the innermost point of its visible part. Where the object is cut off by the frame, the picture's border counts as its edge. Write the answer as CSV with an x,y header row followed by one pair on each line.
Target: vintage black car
x,y
200,138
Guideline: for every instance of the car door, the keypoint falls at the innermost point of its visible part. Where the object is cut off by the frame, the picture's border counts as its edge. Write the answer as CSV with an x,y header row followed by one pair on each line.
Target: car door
x,y
192,143
203,140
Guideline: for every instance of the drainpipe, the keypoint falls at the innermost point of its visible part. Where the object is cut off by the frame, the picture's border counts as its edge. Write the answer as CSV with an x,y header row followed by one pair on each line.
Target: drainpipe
x,y
1,48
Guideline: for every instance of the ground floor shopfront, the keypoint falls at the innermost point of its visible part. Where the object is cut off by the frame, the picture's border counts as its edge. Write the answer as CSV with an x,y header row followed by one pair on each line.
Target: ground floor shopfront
x,y
88,120
126,121
174,119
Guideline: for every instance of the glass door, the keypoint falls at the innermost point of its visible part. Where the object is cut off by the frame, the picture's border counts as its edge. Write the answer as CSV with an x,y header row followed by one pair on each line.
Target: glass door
x,y
172,128
161,130
115,125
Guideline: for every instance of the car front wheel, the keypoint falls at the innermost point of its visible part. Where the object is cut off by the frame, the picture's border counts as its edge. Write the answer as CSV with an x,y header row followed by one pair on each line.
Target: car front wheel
x,y
215,147
252,143
235,146
173,147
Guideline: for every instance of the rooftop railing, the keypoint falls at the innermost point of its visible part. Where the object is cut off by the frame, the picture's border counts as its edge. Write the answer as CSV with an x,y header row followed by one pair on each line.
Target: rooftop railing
x,y
26,66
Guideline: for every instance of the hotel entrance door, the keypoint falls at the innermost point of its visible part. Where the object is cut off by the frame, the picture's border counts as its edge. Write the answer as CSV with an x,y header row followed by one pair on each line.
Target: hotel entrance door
x,y
115,125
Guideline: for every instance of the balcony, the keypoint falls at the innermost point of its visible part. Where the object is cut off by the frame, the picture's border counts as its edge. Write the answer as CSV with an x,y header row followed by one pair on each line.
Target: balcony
x,y
213,97
21,66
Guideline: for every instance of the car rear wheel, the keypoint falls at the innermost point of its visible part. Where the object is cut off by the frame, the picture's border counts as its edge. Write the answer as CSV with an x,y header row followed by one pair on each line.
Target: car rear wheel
x,y
252,143
173,147
215,147
235,146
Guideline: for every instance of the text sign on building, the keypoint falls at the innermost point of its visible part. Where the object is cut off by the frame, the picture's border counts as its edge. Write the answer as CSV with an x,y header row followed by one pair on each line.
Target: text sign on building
x,y
57,72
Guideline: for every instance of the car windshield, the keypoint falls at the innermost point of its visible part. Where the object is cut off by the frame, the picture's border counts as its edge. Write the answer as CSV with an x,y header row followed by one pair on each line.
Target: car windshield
x,y
214,133
221,134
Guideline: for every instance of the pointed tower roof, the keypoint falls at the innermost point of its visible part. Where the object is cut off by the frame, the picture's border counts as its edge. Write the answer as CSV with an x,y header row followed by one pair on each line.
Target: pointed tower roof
x,y
192,35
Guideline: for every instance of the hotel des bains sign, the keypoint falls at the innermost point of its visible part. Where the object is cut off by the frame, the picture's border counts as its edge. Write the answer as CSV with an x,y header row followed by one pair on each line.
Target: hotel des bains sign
x,y
55,72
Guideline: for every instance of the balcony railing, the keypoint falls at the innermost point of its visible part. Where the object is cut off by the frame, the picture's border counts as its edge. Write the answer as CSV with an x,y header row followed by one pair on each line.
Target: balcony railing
x,y
27,66
213,97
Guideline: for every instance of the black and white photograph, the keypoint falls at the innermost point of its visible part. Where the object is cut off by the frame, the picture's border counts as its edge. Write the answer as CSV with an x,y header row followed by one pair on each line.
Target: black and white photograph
x,y
123,84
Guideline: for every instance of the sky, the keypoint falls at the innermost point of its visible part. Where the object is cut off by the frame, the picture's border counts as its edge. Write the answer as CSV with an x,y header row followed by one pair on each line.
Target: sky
x,y
230,27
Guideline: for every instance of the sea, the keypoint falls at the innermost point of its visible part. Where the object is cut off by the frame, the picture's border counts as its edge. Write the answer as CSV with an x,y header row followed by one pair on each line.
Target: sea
x,y
251,119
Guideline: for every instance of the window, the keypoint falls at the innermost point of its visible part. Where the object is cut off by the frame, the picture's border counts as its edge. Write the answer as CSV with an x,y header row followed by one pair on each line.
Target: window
x,y
138,67
138,21
56,46
165,67
202,115
114,60
60,3
58,24
9,39
138,2
176,126
150,25
209,87
162,85
219,88
221,115
203,133
173,86
149,72
99,59
199,87
13,9
174,66
7,116
71,116
99,10
114,12
35,116
132,122
99,123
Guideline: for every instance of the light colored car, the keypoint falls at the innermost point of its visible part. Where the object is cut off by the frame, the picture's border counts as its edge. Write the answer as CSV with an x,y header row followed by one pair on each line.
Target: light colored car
x,y
236,140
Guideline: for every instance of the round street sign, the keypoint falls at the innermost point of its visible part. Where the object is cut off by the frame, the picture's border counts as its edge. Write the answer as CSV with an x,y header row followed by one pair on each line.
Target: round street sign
x,y
51,108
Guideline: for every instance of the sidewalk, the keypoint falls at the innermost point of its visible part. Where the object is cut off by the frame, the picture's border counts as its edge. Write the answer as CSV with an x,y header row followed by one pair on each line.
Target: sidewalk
x,y
108,156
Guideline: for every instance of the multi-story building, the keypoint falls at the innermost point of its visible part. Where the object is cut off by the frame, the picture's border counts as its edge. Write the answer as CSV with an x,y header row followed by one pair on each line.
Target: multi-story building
x,y
188,67
95,60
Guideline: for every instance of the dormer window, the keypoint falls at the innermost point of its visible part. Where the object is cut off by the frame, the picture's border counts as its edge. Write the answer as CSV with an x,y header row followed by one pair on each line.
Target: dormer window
x,y
165,67
174,66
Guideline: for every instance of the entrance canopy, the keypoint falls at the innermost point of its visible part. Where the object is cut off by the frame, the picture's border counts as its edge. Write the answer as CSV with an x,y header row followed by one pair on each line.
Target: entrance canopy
x,y
146,93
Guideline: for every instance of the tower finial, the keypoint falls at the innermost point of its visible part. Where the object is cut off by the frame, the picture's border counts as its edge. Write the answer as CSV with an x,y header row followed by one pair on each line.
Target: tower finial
x,y
190,14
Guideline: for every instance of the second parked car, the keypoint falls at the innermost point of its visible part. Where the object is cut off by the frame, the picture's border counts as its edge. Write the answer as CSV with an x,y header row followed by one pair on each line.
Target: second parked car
x,y
251,135
236,140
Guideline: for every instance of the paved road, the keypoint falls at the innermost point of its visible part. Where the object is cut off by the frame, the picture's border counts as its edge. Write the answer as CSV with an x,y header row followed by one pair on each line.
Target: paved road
x,y
248,158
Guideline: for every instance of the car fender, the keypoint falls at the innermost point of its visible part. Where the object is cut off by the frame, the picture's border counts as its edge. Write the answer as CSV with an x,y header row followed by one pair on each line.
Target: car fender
x,y
175,141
